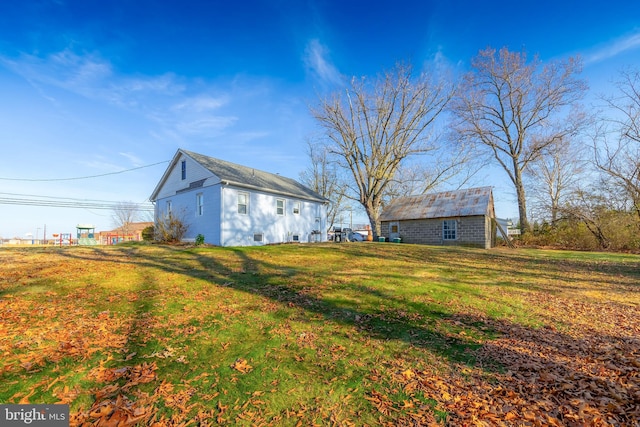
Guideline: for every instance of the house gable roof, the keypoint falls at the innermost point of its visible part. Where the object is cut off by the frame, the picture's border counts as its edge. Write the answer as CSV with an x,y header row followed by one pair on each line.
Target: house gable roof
x,y
246,177
468,202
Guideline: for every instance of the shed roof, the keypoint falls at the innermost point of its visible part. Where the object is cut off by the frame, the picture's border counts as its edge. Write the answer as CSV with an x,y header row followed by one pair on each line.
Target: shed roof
x,y
467,202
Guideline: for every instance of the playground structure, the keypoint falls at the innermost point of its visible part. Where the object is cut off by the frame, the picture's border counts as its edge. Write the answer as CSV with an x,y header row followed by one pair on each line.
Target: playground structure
x,y
86,235
61,239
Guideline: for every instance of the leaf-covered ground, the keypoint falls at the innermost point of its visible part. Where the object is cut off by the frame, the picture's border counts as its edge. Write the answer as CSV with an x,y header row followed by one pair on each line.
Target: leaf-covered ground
x,y
352,334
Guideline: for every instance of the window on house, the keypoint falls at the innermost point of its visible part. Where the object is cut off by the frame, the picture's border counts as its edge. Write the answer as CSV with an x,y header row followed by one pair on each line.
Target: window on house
x,y
243,203
394,228
168,206
449,229
295,238
257,237
280,206
199,204
296,208
184,169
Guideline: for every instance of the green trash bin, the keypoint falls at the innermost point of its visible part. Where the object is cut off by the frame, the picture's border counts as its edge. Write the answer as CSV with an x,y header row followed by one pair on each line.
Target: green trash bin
x,y
396,240
380,239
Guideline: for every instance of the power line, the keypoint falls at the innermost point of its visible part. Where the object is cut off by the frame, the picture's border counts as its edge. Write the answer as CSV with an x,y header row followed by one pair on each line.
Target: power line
x,y
68,202
81,177
76,205
60,197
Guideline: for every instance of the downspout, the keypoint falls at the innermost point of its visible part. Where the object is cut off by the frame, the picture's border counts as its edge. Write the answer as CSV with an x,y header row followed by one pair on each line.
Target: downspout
x,y
223,185
155,217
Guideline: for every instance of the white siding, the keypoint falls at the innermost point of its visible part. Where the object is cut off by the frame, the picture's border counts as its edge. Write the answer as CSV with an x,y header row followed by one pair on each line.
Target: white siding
x,y
184,206
239,229
174,181
220,222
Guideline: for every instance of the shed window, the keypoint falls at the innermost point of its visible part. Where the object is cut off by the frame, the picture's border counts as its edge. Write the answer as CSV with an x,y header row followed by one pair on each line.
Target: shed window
x,y
184,169
449,229
280,206
243,203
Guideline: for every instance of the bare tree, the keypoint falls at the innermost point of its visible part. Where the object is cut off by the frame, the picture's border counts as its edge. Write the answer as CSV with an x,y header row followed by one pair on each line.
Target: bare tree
x,y
323,177
590,207
125,214
617,151
170,227
374,126
554,176
516,109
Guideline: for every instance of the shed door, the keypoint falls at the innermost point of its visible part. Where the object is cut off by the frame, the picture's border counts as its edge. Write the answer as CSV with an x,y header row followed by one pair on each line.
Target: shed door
x,y
394,230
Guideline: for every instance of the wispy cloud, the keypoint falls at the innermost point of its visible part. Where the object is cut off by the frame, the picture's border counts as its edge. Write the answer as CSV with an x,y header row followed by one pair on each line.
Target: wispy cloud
x,y
439,62
201,103
613,49
318,63
90,76
167,100
135,160
206,125
252,136
240,112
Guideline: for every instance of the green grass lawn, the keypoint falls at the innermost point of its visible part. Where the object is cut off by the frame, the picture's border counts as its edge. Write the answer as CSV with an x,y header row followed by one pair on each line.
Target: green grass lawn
x,y
324,334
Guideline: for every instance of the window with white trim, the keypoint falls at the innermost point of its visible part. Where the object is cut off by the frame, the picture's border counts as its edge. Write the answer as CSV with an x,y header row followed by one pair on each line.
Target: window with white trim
x,y
199,204
184,169
243,203
296,208
280,204
449,227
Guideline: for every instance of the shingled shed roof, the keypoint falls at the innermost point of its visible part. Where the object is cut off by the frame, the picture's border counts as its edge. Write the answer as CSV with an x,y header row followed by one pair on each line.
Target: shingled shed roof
x,y
469,202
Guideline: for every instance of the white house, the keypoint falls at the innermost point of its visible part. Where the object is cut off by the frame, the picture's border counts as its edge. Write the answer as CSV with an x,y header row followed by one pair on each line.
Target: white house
x,y
234,205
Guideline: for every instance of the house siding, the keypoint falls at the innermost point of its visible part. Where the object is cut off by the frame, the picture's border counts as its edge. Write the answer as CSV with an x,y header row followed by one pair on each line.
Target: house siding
x,y
219,222
174,181
183,207
262,218
470,231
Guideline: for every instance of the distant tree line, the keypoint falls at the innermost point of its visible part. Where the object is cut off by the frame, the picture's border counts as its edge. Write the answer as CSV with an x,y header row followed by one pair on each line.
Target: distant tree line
x,y
576,175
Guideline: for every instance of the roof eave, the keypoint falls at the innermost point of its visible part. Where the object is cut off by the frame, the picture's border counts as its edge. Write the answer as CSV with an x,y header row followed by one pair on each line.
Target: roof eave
x,y
272,191
162,181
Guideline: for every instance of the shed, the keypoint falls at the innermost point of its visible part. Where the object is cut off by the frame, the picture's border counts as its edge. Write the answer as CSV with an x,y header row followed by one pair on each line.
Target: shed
x,y
462,217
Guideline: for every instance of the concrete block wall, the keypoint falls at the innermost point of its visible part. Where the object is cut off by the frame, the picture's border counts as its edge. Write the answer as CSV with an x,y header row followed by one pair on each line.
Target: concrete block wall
x,y
472,231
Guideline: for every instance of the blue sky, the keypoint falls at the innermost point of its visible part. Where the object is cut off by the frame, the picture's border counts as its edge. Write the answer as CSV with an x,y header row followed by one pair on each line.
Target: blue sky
x,y
99,87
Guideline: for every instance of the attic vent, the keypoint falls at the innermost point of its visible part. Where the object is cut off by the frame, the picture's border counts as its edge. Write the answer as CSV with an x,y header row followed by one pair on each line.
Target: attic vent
x,y
197,184
192,185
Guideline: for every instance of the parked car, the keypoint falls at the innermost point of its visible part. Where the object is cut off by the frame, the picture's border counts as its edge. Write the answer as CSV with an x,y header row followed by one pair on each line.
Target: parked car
x,y
353,236
356,237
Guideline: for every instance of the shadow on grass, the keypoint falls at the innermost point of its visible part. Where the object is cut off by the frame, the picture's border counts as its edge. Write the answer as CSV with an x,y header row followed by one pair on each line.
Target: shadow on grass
x,y
537,358
384,316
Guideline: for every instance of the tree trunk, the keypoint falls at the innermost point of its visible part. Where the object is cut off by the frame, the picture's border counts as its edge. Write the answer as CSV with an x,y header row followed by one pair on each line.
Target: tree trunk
x,y
373,214
522,200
